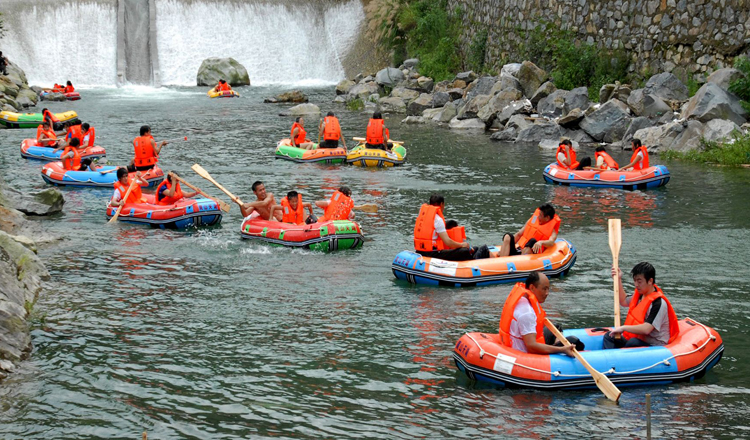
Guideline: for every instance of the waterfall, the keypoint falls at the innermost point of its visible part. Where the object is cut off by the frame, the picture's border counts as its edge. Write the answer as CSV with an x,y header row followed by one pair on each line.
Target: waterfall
x,y
164,41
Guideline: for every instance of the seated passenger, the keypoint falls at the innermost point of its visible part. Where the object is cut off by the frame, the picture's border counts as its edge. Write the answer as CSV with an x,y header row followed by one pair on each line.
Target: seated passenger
x,y
169,192
71,158
377,135
51,118
298,135
603,160
146,151
651,319
88,135
293,209
339,207
639,159
121,188
539,232
566,157
69,88
264,206
71,132
331,131
45,136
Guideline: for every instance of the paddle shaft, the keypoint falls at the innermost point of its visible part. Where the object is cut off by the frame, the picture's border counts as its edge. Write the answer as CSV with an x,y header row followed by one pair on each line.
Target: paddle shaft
x,y
184,138
615,241
224,206
203,173
369,207
127,194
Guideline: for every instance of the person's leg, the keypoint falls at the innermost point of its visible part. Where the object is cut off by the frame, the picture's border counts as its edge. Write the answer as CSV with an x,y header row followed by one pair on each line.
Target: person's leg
x,y
85,164
481,252
610,342
131,168
528,248
635,342
509,245
585,162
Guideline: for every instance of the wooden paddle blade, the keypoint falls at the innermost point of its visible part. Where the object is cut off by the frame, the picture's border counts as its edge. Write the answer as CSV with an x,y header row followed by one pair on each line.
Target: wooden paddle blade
x,y
359,139
224,206
615,237
370,207
201,172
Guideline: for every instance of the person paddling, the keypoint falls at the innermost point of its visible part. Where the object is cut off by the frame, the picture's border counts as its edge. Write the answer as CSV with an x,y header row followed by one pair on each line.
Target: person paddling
x,y
169,192
331,131
146,151
299,135
377,135
339,206
121,188
539,232
639,159
263,207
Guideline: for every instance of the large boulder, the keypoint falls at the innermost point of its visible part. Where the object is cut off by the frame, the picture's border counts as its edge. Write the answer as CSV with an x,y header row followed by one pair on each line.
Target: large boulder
x,y
417,106
511,69
47,202
576,98
389,77
608,123
654,106
455,93
392,104
535,133
481,86
531,77
228,69
407,95
466,124
579,136
411,63
292,96
301,110
552,105
16,75
467,77
605,92
677,135
635,125
447,113
519,122
572,118
667,87
29,94
497,103
343,87
507,82
635,101
713,102
507,135
521,107
542,92
363,90
439,99
431,113
719,130
725,77
8,87
471,109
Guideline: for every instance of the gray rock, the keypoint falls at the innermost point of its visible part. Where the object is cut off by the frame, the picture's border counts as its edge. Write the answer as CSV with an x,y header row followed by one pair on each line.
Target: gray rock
x,y
363,90
608,123
16,75
467,76
54,97
228,69
578,136
713,102
24,102
522,107
577,98
301,110
552,144
431,113
467,124
417,106
9,88
390,76
407,95
47,202
439,99
507,82
481,86
442,86
511,69
414,120
411,63
654,106
455,93
667,86
471,108
667,117
367,79
343,87
426,83
572,118
29,94
291,96
719,130
622,93
535,133
605,92
531,77
507,135
36,89
679,135
552,106
724,77
447,113
392,104
542,92
497,103
340,99
635,101
518,122
635,125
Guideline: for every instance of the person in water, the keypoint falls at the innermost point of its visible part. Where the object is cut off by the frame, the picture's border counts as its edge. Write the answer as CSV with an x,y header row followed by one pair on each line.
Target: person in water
x,y
539,232
299,135
88,135
146,151
71,158
170,192
293,209
121,188
69,88
639,159
522,320
566,157
604,161
45,136
432,238
651,320
339,207
264,206
331,131
377,135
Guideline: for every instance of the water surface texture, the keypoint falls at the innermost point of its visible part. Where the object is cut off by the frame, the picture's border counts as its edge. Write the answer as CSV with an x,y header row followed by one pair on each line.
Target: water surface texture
x,y
199,334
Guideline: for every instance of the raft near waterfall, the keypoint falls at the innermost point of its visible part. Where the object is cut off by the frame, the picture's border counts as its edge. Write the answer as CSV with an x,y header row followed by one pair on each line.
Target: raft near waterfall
x,y
33,120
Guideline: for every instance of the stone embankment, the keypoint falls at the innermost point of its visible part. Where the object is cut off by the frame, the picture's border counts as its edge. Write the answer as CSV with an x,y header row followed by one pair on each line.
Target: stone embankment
x,y
15,93
522,105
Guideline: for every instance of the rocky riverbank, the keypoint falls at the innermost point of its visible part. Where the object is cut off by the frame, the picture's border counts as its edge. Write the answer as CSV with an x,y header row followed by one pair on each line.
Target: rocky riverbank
x,y
15,93
523,106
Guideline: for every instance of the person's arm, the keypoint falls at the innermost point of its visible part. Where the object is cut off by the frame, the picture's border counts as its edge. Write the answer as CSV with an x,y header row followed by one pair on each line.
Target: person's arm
x,y
546,243
535,347
190,195
638,158
450,243
294,136
116,199
617,275
157,147
640,329
246,209
276,211
308,205
322,204
343,139
321,127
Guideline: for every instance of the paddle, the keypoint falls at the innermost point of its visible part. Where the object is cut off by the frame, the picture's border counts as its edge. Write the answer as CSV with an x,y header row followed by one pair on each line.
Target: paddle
x,y
203,173
127,193
359,139
369,207
615,240
176,139
223,205
109,171
605,385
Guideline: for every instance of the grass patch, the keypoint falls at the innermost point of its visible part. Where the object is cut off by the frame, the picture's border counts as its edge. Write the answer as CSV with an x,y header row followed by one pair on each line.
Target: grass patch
x,y
735,152
355,104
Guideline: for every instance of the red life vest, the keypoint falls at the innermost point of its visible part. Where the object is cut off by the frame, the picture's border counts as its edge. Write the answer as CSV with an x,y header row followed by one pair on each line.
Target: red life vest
x,y
49,134
72,163
223,87
57,88
611,164
69,89
74,131
424,229
375,132
295,216
301,134
339,207
144,151
88,138
539,231
48,115
519,291
167,200
638,309
574,164
135,194
332,129
642,164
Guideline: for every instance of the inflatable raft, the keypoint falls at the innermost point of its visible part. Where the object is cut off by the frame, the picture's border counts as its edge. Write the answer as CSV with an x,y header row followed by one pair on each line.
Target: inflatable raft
x,y
223,94
322,236
375,157
695,351
30,150
104,177
651,177
33,120
284,150
72,96
185,213
416,269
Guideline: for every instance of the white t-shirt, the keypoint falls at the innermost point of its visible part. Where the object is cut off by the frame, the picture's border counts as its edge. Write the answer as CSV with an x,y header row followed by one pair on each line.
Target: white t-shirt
x,y
524,323
116,197
638,157
561,157
600,162
439,225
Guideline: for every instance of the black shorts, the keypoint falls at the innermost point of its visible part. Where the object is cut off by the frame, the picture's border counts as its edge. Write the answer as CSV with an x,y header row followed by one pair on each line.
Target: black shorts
x,y
513,249
330,143
133,168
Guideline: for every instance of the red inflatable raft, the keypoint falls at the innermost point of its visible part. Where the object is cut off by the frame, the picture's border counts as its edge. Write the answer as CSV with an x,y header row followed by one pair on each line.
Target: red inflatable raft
x,y
183,214
329,235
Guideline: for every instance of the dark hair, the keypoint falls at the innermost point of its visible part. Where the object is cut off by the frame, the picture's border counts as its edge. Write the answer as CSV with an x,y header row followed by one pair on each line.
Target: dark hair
x,y
645,269
345,191
437,199
292,195
256,184
222,81
377,115
85,126
636,142
297,118
45,110
330,114
450,224
566,142
600,149
532,279
45,122
548,210
75,142
145,129
69,83
169,176
121,172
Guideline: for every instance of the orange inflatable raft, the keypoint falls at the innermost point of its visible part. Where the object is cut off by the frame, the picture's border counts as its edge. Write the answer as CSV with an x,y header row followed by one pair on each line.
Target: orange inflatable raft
x,y
646,178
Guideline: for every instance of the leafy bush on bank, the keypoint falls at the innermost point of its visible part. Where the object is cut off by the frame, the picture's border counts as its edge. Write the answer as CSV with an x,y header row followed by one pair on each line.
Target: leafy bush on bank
x,y
735,152
741,87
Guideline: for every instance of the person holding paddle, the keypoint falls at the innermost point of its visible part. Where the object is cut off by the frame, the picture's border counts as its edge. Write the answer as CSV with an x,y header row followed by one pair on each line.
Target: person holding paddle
x,y
146,151
169,192
264,206
121,189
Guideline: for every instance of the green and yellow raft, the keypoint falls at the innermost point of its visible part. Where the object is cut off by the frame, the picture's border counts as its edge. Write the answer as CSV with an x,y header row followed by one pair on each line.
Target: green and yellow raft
x,y
284,150
32,120
326,236
374,157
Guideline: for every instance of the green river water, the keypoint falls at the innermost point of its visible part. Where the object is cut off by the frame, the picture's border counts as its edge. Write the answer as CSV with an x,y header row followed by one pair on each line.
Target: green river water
x,y
198,334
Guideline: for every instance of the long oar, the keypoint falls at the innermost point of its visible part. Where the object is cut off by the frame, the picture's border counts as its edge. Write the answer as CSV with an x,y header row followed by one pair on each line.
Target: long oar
x,y
369,207
222,204
176,139
605,385
203,173
615,241
127,193
359,139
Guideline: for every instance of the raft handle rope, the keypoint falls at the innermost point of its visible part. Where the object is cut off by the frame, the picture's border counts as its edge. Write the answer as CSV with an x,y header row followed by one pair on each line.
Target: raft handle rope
x,y
611,370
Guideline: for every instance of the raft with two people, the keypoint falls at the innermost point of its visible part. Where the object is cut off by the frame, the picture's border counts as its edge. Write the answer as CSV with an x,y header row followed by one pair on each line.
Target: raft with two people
x,y
360,155
104,177
70,96
33,120
30,149
328,156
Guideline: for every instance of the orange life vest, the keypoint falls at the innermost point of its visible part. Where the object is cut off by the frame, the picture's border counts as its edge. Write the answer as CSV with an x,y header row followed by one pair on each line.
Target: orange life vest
x,y
167,200
74,131
88,138
69,89
48,115
643,163
573,165
57,88
72,163
295,216
375,132
301,134
332,129
611,164
224,87
457,233
42,133
339,207
135,194
144,151
537,230
637,313
518,292
424,229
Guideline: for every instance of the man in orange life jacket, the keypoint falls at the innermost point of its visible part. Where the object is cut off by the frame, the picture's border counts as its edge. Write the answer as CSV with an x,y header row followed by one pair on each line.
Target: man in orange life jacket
x,y
603,161
539,232
522,321
293,209
222,86
264,206
331,131
71,132
377,135
71,158
639,160
88,135
298,135
566,157
169,192
121,188
651,320
339,206
146,151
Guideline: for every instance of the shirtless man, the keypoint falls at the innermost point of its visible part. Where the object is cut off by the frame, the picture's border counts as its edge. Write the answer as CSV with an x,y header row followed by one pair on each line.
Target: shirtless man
x,y
263,206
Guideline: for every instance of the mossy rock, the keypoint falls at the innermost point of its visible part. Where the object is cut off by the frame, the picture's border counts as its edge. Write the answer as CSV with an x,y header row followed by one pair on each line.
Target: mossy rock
x,y
228,69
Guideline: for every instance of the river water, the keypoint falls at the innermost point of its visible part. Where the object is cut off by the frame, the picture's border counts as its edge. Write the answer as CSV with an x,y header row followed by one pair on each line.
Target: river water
x,y
199,334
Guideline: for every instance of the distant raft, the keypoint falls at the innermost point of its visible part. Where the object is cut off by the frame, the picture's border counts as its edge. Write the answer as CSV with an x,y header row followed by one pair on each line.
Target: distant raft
x,y
222,94
697,349
71,96
184,214
650,177
31,150
416,269
324,236
284,150
374,157
33,120
104,177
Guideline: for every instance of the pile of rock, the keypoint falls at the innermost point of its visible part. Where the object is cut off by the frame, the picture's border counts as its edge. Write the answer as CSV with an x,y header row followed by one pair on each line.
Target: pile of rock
x,y
15,93
523,106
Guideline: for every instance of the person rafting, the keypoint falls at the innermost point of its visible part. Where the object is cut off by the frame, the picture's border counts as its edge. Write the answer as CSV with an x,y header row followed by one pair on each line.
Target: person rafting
x,y
331,131
69,88
339,206
264,206
603,160
293,209
71,158
71,132
52,119
639,159
539,232
88,135
432,238
169,192
566,157
651,319
222,86
298,135
45,136
146,151
377,135
121,188
57,88
522,320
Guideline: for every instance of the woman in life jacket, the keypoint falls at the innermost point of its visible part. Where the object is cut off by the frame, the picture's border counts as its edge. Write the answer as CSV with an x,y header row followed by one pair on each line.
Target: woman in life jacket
x,y
639,159
538,232
54,123
603,160
566,157
222,86
146,151
88,135
69,87
170,192
377,135
71,158
45,136
298,135
331,131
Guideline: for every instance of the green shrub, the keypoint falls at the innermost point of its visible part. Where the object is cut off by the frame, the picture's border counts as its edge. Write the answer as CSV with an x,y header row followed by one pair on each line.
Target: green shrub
x,y
355,104
735,152
741,87
431,36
